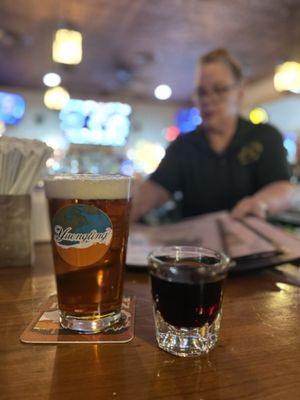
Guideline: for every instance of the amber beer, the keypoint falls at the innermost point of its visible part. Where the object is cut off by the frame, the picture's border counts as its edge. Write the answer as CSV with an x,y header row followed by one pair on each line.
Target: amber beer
x,y
89,222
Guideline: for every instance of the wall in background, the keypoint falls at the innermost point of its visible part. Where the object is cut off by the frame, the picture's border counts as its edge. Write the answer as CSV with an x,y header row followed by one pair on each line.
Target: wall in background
x,y
283,109
150,118
284,113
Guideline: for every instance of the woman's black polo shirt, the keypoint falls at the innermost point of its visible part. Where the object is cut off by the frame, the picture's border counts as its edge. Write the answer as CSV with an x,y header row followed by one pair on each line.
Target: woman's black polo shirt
x,y
211,182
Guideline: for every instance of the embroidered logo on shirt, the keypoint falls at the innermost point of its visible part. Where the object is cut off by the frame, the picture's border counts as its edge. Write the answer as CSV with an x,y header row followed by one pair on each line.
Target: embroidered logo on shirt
x,y
250,153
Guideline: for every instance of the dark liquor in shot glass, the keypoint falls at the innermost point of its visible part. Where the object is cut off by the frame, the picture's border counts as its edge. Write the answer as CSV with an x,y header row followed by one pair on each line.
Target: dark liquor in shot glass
x,y
187,289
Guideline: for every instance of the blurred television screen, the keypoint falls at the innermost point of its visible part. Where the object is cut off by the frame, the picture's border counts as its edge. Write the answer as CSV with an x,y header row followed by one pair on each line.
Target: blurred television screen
x,y
12,108
91,122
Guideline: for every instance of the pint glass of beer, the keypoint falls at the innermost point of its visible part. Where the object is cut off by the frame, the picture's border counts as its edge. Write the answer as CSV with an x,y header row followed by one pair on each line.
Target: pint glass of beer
x,y
89,223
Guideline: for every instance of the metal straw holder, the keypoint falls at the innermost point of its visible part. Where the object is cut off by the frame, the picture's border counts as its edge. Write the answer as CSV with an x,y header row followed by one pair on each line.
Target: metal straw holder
x,y
16,244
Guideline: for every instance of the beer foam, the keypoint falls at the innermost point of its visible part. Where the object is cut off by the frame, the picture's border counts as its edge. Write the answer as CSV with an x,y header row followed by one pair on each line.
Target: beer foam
x,y
88,187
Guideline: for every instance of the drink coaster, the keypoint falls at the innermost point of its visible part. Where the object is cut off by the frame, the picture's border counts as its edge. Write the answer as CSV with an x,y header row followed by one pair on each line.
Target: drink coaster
x,y
45,327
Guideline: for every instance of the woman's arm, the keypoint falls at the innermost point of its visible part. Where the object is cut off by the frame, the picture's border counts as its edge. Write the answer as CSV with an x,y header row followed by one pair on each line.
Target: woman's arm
x,y
147,196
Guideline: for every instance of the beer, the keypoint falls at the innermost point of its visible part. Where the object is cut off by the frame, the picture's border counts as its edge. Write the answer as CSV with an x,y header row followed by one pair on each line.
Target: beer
x,y
90,218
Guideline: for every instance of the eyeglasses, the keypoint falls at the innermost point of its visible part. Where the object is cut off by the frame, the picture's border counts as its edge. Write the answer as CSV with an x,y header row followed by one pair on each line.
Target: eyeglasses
x,y
216,91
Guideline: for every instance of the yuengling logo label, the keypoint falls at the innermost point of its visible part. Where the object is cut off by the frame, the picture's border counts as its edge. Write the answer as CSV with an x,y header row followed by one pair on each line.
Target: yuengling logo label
x,y
82,234
80,240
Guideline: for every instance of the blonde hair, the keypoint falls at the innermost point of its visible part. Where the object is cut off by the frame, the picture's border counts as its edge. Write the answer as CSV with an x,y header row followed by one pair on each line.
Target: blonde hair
x,y
223,56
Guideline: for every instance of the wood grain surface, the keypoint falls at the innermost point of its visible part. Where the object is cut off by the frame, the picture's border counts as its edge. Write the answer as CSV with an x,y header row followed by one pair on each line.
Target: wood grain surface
x,y
258,355
130,46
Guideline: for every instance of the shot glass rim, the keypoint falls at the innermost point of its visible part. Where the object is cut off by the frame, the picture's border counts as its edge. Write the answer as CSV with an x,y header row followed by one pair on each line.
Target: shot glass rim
x,y
221,266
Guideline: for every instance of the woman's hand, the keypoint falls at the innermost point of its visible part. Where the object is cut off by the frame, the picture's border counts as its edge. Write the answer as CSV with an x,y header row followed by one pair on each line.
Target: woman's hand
x,y
250,206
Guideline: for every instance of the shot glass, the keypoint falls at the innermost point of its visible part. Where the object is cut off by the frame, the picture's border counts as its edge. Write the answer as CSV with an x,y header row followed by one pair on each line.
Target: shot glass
x,y
187,288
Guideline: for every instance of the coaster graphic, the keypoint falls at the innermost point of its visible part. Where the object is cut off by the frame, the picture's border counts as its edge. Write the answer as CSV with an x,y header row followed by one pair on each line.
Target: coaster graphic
x,y
45,327
82,234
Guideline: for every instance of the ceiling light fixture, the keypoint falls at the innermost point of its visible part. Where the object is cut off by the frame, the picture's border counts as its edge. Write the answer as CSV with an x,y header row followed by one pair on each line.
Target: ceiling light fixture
x,y
163,92
51,79
67,47
287,74
56,98
287,77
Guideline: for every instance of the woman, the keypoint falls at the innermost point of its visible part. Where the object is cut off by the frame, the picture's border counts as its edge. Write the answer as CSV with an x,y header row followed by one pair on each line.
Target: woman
x,y
227,163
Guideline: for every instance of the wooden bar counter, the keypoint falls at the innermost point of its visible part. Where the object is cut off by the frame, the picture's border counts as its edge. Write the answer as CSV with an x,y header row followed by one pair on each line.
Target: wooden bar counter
x,y
257,357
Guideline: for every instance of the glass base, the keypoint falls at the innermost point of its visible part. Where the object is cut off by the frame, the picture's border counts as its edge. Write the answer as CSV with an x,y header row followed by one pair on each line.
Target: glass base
x,y
88,325
186,342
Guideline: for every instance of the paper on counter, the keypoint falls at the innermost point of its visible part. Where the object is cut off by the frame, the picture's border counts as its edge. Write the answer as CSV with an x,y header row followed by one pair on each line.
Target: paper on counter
x,y
204,231
288,241
200,231
242,241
